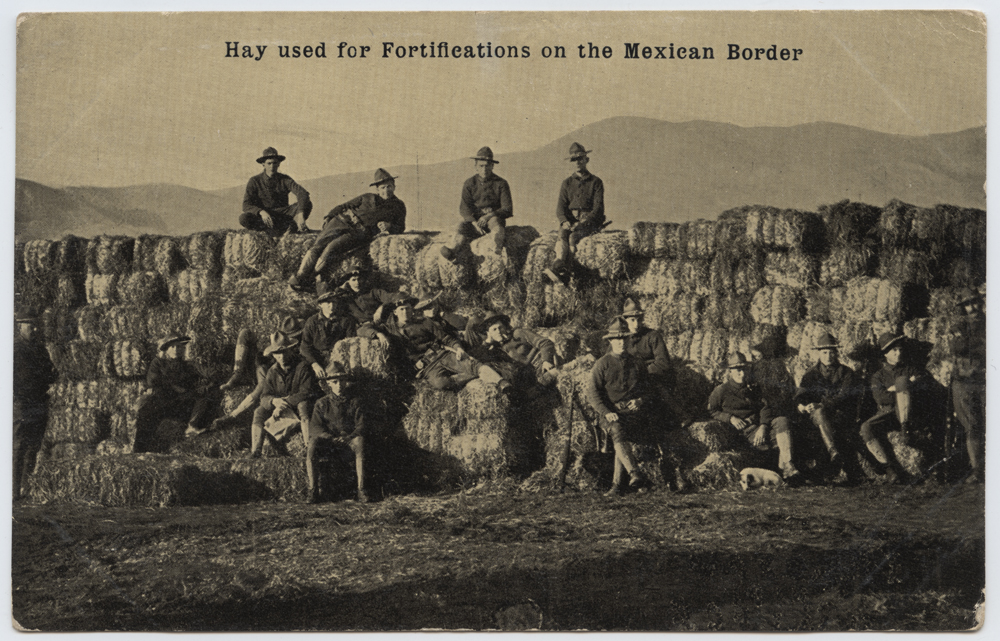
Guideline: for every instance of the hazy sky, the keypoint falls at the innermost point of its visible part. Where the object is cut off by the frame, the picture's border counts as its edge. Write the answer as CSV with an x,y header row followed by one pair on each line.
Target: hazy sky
x,y
119,99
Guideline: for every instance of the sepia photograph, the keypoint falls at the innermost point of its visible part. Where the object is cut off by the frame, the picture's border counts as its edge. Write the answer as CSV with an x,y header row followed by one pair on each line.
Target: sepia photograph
x,y
647,321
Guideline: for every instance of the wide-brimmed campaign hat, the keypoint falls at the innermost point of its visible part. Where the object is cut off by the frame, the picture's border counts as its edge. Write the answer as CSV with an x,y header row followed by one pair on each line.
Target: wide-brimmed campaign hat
x,y
493,320
576,150
888,340
404,300
617,329
382,176
172,339
270,152
737,361
827,341
631,308
485,154
280,343
427,301
335,371
290,326
330,294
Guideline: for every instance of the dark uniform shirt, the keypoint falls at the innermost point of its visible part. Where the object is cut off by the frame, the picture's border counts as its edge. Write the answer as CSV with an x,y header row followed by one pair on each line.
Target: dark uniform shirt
x,y
371,209
479,193
33,371
648,346
615,378
339,415
836,387
362,305
166,373
885,378
525,347
415,338
321,333
742,401
581,191
271,194
296,384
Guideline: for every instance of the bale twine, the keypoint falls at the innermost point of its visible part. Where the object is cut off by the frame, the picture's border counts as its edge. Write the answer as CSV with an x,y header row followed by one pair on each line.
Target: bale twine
x,y
396,254
143,289
434,272
101,289
844,263
908,266
657,240
848,223
250,249
191,285
791,269
92,323
110,254
75,425
204,250
160,254
361,356
127,358
605,253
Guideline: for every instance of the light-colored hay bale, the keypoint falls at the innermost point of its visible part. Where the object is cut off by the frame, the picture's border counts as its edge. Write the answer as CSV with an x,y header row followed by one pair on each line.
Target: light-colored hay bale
x,y
204,250
873,299
362,356
434,272
491,269
664,276
657,240
40,256
111,447
101,289
912,459
842,264
777,306
144,289
698,239
783,229
128,359
708,352
70,290
541,255
715,436
719,470
73,425
191,285
396,254
110,254
249,249
791,269
605,253
160,254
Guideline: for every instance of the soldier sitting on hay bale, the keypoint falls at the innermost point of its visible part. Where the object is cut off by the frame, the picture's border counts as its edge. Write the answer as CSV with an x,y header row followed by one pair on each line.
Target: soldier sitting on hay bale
x,y
742,404
324,328
968,382
33,374
618,390
900,390
286,398
363,300
829,395
580,211
504,344
177,390
352,225
485,206
265,203
427,351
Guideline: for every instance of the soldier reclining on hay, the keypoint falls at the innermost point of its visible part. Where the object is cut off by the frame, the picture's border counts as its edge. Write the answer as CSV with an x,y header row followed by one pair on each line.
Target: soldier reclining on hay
x,y
265,203
361,299
339,423
286,398
178,391
352,225
323,329
503,344
427,351
740,403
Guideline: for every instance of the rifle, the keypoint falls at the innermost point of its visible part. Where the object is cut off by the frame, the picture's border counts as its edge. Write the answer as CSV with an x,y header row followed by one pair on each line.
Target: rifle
x,y
567,451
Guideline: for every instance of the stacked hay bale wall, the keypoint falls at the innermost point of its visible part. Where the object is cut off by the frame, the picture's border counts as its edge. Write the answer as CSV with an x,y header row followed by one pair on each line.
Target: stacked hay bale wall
x,y
712,287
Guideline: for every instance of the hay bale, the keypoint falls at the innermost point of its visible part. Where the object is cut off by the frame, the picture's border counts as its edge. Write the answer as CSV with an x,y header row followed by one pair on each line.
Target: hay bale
x,y
708,352
719,470
80,360
848,223
967,229
944,301
127,359
229,442
541,254
912,459
715,436
434,272
40,256
657,240
191,285
729,311
69,450
605,253
101,289
739,272
784,229
697,239
664,276
204,250
70,290
909,266
777,306
143,289
825,305
58,325
249,249
74,425
675,312
34,292
845,263
110,254
566,340
361,356
396,254
286,255
791,269
895,223
19,267
967,270
160,254
873,299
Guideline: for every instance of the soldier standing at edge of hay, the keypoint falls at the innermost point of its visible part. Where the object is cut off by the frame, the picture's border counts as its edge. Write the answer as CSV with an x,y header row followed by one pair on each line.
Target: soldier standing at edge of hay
x,y
968,383
485,206
324,328
354,224
265,203
33,374
647,344
617,389
361,298
741,403
289,390
338,421
503,343
178,390
580,211
829,396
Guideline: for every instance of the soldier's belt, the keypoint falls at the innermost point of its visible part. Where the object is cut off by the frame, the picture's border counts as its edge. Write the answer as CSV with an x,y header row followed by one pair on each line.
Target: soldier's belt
x,y
431,357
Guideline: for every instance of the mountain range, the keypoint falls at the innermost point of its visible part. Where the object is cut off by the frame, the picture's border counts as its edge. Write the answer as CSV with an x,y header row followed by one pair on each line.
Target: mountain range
x,y
652,170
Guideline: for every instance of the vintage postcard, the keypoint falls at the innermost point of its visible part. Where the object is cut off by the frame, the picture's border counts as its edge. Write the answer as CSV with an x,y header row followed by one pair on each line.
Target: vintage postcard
x,y
608,321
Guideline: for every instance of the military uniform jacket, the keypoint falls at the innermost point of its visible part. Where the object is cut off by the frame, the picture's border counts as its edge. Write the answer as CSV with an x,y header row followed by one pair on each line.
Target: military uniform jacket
x,y
648,346
296,384
271,194
836,388
615,378
339,415
885,378
371,209
33,371
524,347
415,338
362,305
742,401
969,346
165,373
479,194
321,333
580,191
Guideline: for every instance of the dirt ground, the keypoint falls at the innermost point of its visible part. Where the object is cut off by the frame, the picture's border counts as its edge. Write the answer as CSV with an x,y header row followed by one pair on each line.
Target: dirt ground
x,y
815,558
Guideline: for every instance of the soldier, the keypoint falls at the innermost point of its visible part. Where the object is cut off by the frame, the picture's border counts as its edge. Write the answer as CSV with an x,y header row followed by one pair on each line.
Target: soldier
x,y
330,324
339,421
580,210
968,383
33,374
485,206
363,300
740,403
617,389
354,224
289,390
829,395
265,203
178,391
502,344
450,322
